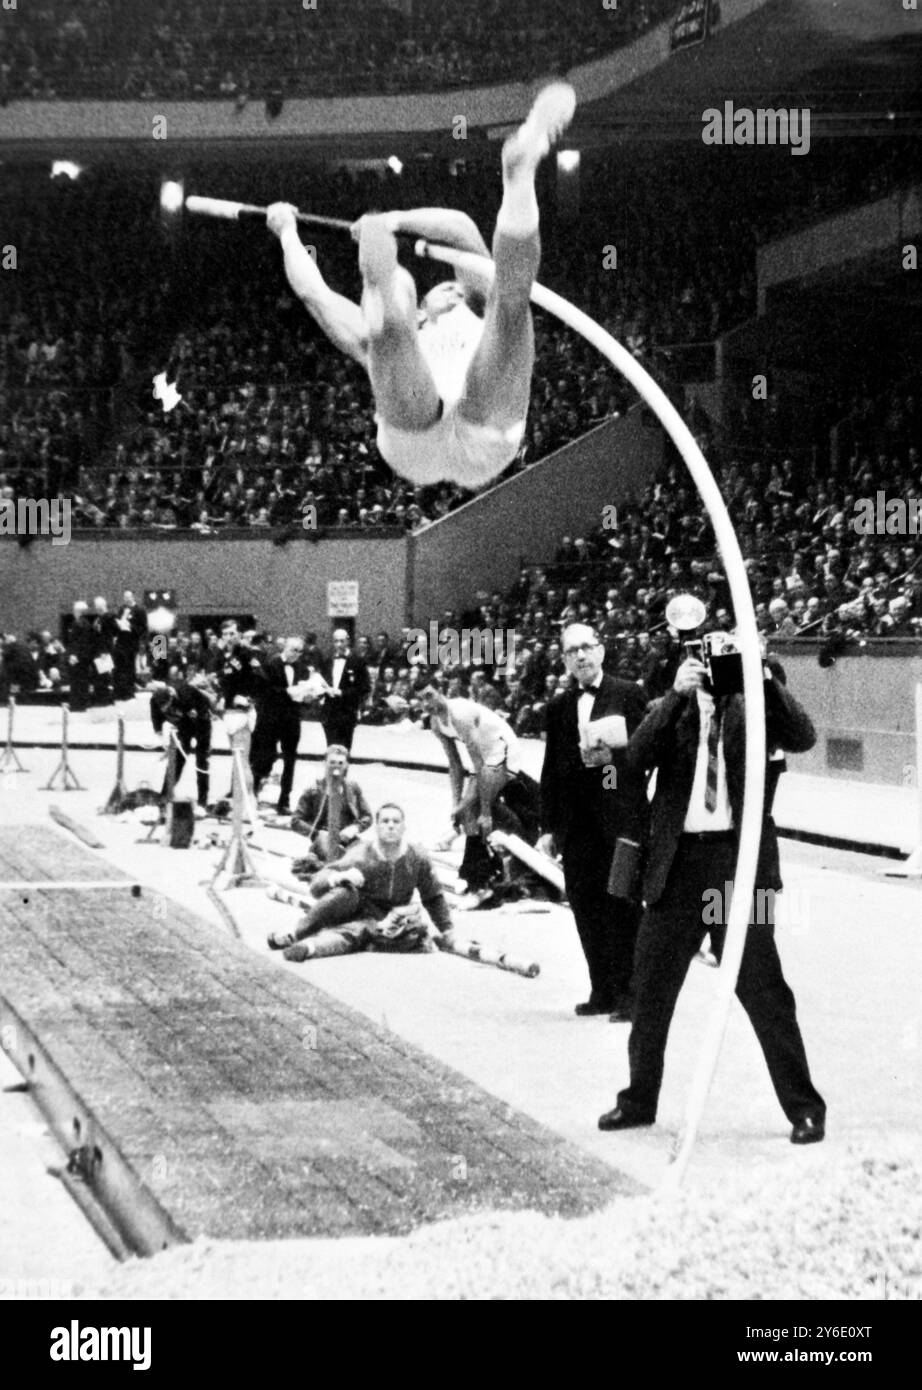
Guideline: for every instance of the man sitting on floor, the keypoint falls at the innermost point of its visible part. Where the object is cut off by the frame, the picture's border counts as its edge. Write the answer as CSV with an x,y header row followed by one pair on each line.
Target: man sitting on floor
x,y
312,816
365,899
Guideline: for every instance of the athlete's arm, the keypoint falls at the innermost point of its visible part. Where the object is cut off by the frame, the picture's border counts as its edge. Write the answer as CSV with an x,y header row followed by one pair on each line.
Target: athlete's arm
x,y
444,225
455,768
341,320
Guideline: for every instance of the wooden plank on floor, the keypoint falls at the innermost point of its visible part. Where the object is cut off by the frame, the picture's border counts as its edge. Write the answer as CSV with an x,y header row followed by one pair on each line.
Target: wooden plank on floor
x,y
82,832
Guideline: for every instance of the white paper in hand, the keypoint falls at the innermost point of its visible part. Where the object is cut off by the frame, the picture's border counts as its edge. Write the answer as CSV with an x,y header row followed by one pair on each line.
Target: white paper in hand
x,y
610,732
310,689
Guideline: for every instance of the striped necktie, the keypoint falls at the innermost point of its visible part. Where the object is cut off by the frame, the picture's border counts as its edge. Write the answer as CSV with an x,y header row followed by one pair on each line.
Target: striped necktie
x,y
710,786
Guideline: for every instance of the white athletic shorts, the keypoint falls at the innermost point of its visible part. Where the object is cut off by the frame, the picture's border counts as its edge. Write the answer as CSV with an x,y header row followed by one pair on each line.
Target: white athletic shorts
x,y
452,450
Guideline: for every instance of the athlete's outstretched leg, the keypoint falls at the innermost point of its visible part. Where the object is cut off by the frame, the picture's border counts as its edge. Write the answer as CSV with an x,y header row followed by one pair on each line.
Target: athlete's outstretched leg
x,y
404,390
499,377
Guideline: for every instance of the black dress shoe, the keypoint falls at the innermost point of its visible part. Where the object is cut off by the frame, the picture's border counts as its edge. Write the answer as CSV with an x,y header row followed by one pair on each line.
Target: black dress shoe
x,y
623,1119
592,1006
809,1130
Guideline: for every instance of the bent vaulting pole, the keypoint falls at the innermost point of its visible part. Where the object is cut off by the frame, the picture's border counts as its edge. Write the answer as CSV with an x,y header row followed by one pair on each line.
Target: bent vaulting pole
x,y
754,785
695,462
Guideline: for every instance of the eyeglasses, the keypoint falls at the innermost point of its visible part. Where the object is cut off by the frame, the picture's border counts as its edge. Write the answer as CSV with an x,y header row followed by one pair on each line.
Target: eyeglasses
x,y
581,650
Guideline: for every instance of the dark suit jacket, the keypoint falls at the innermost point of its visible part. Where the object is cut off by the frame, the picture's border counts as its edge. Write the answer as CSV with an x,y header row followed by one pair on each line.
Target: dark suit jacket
x,y
270,690
311,812
236,673
17,667
81,639
182,705
104,633
668,740
136,617
568,787
355,685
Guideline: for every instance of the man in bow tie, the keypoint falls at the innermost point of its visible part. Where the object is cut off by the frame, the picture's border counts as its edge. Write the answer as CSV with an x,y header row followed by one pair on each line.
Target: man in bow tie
x,y
589,801
348,687
278,718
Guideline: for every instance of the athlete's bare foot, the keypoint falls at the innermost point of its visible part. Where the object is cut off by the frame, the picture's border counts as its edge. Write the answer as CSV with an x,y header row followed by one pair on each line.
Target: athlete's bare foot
x,y
551,113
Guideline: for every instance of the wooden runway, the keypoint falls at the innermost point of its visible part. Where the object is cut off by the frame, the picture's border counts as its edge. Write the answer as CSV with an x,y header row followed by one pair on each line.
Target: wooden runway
x,y
243,1101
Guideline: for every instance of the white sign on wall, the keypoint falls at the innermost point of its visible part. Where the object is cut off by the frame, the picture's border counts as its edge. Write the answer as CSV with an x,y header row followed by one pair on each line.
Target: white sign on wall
x,y
342,598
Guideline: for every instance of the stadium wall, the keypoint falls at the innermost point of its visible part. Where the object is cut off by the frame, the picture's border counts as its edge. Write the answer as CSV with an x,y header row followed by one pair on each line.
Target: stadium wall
x,y
481,545
879,228
863,708
283,586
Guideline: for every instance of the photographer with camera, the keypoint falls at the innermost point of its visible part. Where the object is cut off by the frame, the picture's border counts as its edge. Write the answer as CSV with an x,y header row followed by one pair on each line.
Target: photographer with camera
x,y
695,739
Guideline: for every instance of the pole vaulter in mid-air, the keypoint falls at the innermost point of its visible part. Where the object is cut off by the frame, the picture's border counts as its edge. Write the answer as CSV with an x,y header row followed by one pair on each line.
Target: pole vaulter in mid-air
x,y
452,377
476,457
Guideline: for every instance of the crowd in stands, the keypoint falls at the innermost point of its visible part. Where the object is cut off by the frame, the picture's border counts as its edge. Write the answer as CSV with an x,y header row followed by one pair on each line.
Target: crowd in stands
x,y
272,419
813,571
232,49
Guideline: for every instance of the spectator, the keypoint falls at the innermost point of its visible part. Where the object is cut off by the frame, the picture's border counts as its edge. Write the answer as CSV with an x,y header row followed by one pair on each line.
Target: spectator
x,y
362,899
311,816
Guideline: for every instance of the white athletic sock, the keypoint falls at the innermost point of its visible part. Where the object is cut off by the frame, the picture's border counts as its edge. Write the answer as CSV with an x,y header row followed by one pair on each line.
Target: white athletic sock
x,y
518,213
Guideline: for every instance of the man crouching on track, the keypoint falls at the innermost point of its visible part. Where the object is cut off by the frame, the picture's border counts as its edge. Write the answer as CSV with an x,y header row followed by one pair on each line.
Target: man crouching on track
x,y
499,789
366,901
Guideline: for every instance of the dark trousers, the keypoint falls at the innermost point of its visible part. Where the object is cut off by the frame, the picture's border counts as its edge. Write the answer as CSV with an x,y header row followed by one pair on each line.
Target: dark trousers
x,y
269,735
518,808
102,686
195,738
123,677
333,908
479,864
338,724
670,935
79,677
337,922
515,810
607,926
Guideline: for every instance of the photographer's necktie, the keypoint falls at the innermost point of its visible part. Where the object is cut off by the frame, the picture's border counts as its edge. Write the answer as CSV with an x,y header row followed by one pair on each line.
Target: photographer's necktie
x,y
710,786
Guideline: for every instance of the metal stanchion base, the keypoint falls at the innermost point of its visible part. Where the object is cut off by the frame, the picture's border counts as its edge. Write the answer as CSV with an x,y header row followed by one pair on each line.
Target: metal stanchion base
x,y
236,869
9,755
70,782
72,785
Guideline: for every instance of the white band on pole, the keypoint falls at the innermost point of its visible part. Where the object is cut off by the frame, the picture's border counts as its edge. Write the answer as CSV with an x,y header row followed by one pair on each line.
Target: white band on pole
x,y
532,858
754,783
214,207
